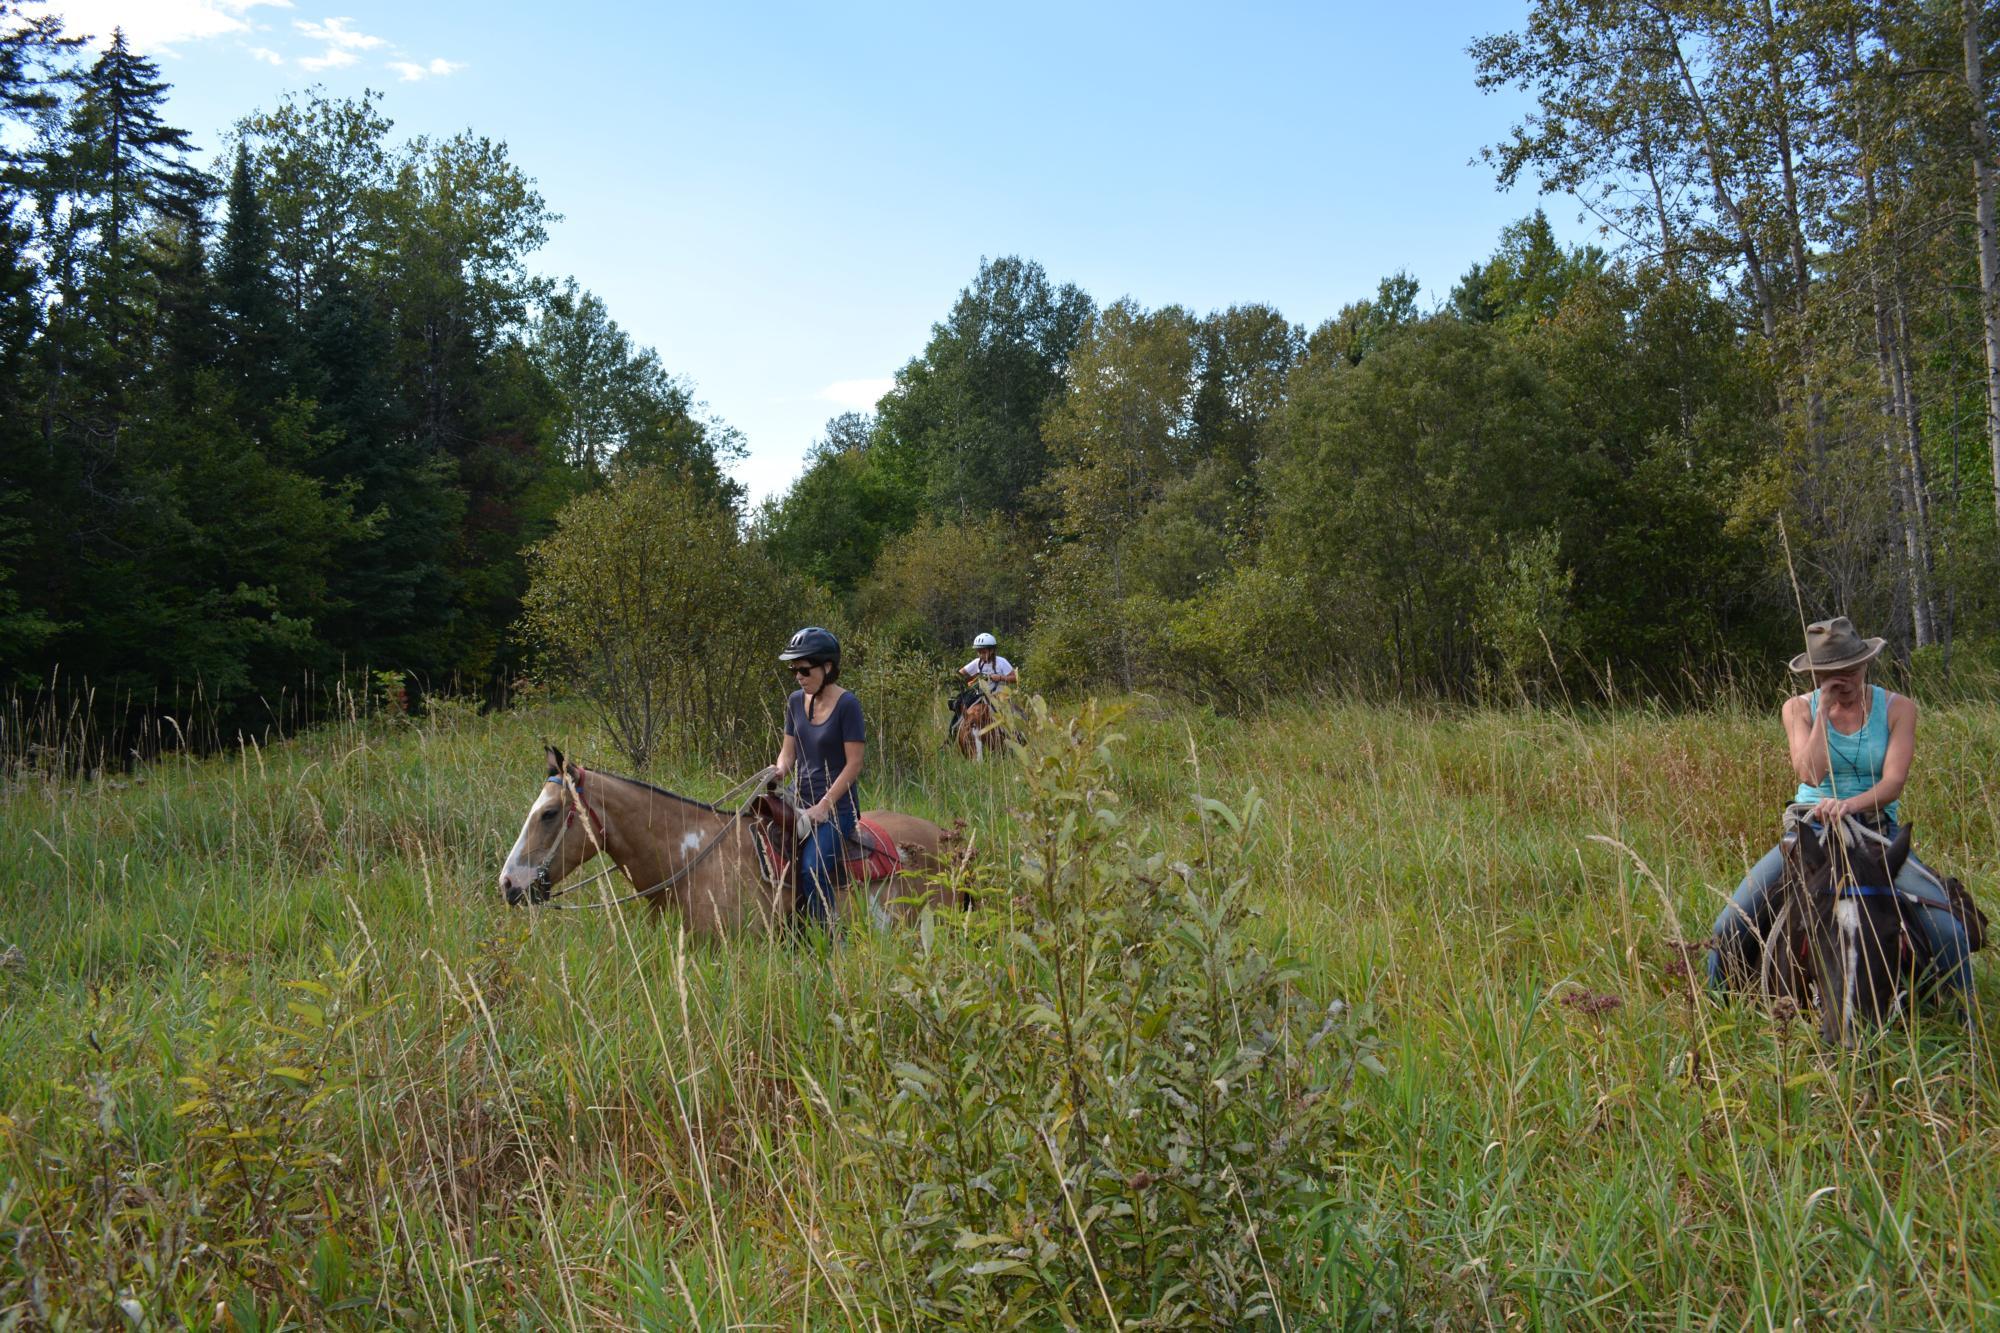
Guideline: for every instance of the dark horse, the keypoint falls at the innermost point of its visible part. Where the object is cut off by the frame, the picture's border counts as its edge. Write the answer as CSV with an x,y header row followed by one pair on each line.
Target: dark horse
x,y
1840,934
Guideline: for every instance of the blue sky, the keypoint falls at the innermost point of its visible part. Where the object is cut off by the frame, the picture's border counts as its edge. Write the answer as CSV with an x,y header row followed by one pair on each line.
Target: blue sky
x,y
781,199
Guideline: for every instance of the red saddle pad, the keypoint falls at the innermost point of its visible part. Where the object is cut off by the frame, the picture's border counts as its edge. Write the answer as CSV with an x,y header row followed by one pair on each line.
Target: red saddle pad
x,y
878,861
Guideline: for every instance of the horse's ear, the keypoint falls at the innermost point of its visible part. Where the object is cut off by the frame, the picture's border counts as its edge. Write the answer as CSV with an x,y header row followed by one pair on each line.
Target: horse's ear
x,y
556,760
1899,849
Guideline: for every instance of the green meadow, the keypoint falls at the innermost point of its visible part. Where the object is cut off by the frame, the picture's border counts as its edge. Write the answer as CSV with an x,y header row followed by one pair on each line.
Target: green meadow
x,y
273,1054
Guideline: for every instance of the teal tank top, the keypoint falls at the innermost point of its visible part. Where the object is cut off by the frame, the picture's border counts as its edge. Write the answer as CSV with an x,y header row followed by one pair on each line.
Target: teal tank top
x,y
1857,758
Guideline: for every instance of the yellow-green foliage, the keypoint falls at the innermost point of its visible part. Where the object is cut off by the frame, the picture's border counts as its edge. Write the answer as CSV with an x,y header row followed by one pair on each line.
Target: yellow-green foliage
x,y
648,602
900,693
488,1118
939,584
1115,1088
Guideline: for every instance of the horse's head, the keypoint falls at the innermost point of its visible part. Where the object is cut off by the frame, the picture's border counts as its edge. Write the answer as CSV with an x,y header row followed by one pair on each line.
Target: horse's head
x,y
1861,952
552,842
1822,856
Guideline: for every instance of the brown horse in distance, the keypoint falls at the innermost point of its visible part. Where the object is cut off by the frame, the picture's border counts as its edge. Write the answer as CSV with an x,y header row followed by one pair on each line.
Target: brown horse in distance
x,y
979,728
703,859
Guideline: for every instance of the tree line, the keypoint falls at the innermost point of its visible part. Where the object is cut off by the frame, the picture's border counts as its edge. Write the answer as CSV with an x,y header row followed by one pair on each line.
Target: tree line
x,y
1775,391
294,409
303,406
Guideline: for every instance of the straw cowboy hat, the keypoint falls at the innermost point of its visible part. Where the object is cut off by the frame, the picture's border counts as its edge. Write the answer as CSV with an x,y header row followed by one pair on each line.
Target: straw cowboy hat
x,y
1833,645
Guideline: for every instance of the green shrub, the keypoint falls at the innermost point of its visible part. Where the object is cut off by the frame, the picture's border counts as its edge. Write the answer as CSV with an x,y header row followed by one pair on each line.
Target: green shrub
x,y
1122,1105
136,1215
1257,631
941,583
1523,613
1079,637
648,602
1253,632
899,692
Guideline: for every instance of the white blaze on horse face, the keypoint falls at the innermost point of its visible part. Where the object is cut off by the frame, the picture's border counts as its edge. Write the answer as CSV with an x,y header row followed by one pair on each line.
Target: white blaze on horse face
x,y
1847,916
520,869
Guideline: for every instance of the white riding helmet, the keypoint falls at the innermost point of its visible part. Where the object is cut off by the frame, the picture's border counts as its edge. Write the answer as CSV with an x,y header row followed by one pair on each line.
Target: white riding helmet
x,y
985,641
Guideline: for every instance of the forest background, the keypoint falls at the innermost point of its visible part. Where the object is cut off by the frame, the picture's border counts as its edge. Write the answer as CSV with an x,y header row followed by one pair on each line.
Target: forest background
x,y
313,414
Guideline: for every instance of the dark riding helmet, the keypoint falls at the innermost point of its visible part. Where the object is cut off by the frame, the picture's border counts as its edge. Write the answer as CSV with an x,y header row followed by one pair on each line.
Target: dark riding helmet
x,y
812,643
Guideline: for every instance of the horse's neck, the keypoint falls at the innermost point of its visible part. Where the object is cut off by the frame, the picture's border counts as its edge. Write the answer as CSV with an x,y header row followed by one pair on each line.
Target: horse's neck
x,y
644,829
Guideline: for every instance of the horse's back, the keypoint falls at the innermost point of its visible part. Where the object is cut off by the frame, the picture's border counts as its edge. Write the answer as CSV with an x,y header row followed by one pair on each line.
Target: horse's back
x,y
914,835
922,844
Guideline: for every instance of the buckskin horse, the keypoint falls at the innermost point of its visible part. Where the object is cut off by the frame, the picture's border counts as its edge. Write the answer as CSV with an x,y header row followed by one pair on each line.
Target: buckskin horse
x,y
724,869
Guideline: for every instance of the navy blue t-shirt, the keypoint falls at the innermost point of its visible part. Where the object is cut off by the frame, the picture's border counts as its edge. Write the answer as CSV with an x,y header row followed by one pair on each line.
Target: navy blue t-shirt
x,y
822,746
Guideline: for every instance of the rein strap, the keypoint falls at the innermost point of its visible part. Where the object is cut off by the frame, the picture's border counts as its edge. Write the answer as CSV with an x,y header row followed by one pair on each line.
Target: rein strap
x,y
1862,891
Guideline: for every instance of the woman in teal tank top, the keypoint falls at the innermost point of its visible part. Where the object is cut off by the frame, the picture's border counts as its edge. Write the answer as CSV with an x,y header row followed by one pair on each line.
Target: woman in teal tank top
x,y
1851,745
1855,762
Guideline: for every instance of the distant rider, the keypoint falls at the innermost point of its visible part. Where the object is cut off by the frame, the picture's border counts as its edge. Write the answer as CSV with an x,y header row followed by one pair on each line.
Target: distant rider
x,y
987,666
824,735
985,673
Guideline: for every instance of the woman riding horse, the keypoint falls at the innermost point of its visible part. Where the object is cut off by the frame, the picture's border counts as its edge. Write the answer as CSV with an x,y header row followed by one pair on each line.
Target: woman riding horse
x,y
824,735
984,673
1851,745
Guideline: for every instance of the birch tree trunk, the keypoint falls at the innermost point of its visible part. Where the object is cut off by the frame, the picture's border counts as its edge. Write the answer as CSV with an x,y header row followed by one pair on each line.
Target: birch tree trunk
x,y
1989,245
1913,443
1899,404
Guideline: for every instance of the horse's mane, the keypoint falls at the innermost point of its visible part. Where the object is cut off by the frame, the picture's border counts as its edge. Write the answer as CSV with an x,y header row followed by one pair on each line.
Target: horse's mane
x,y
657,791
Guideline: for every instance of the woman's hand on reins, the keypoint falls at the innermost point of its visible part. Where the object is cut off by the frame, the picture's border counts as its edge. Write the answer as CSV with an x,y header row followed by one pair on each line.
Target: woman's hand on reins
x,y
1833,809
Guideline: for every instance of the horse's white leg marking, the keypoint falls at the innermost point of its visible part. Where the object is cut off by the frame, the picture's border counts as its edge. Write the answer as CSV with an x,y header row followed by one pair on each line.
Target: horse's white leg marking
x,y
1848,915
689,843
517,856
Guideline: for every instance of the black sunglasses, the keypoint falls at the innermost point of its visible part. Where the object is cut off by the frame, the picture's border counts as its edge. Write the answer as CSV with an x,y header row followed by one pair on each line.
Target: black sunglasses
x,y
804,668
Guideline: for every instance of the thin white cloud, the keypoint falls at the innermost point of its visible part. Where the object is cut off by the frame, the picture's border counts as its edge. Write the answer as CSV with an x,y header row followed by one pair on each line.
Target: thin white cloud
x,y
156,25
439,68
267,55
335,33
856,395
332,58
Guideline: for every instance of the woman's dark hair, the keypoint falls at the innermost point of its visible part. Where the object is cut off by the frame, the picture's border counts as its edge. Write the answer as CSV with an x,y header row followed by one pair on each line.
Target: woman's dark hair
x,y
832,666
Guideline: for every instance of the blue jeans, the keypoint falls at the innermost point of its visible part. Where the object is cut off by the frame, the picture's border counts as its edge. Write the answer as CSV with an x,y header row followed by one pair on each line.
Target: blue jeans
x,y
819,864
1950,967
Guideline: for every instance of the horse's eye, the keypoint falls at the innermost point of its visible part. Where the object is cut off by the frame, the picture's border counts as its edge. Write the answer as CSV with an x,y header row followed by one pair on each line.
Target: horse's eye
x,y
548,814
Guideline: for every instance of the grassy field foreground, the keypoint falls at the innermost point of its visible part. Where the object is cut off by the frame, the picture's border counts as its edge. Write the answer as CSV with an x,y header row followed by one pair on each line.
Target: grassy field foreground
x,y
273,1053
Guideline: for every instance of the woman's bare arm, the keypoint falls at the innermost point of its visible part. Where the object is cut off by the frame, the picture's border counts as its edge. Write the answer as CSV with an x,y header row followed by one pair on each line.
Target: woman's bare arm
x,y
1807,735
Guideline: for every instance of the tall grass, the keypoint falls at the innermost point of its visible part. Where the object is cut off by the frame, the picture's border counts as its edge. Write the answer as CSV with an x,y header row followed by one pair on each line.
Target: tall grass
x,y
272,1051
